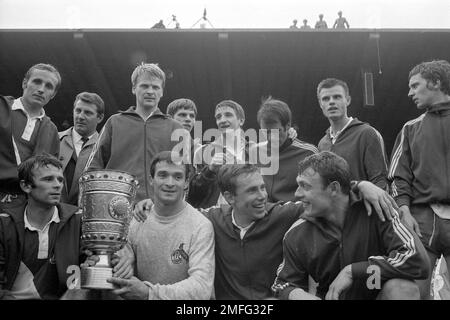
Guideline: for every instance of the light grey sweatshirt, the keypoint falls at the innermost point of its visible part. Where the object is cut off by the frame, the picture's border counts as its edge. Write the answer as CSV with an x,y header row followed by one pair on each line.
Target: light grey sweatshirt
x,y
175,255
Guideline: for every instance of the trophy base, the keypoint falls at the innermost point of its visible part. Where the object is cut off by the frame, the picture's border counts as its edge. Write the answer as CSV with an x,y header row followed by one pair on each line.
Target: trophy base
x,y
95,278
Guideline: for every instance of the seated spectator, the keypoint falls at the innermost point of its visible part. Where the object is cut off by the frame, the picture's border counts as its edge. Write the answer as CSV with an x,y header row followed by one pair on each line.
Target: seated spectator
x,y
305,24
159,25
294,24
321,24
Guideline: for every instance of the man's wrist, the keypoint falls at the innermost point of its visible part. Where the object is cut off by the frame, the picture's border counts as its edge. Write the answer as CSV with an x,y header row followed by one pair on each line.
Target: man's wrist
x,y
354,185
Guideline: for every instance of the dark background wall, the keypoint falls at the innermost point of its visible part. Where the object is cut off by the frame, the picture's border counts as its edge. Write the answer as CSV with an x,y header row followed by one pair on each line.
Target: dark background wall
x,y
244,65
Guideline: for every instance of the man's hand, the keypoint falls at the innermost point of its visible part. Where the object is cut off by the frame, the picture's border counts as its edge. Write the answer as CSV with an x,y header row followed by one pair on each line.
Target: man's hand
x,y
91,259
141,209
292,134
379,199
300,294
123,262
409,220
131,289
342,282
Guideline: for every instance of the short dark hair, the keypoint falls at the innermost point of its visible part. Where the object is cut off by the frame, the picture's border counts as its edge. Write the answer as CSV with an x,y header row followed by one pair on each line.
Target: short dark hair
x,y
330,167
433,71
46,67
229,173
26,168
171,158
90,97
178,104
240,114
272,109
330,83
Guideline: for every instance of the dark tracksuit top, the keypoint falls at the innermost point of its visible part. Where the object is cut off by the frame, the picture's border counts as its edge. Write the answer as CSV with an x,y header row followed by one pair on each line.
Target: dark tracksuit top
x,y
128,143
67,244
282,185
312,248
245,268
362,147
420,165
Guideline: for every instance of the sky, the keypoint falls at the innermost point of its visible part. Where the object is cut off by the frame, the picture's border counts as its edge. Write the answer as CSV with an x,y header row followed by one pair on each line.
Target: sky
x,y
222,14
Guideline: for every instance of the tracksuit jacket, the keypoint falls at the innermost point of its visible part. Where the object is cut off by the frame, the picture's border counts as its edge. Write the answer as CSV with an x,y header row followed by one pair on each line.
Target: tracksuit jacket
x,y
245,268
282,185
47,142
362,146
312,248
66,250
128,143
420,165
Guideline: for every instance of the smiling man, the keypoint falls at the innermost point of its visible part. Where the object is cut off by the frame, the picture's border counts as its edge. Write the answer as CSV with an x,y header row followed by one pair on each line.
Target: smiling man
x,y
249,231
174,248
131,138
230,147
76,143
420,166
353,255
25,130
360,144
41,238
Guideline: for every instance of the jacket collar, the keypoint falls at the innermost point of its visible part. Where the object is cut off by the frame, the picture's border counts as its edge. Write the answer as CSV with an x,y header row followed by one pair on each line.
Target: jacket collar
x,y
354,122
132,111
65,133
322,224
439,107
17,213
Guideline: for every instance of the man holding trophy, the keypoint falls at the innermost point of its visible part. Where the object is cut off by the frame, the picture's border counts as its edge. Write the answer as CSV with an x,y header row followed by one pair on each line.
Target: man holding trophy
x,y
173,249
40,239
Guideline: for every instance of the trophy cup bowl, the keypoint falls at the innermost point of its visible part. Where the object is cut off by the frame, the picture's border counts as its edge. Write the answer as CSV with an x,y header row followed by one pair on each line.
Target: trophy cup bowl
x,y
106,199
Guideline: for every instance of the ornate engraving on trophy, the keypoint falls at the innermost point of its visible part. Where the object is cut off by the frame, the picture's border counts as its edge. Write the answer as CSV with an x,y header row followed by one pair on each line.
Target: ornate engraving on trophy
x,y
106,199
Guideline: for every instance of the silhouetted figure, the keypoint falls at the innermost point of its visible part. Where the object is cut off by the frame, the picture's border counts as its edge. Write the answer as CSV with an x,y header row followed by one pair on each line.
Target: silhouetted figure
x,y
305,24
341,22
321,24
294,24
159,25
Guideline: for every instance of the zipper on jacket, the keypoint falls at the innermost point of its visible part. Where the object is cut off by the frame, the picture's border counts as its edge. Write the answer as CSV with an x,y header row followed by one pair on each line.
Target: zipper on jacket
x,y
446,157
145,159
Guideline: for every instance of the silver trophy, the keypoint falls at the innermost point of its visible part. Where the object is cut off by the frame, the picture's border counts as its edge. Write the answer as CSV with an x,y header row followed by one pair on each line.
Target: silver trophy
x,y
106,198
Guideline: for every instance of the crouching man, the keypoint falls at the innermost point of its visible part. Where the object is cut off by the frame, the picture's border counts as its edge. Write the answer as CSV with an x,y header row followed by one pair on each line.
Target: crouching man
x,y
40,238
355,256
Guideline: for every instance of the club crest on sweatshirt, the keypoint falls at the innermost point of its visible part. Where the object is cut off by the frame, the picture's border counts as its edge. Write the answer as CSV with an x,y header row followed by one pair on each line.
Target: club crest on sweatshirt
x,y
179,254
